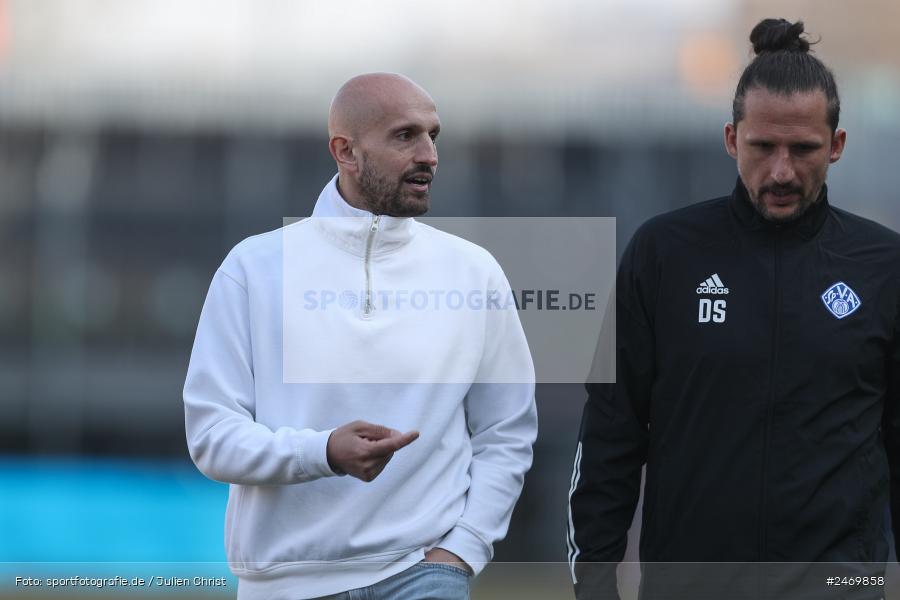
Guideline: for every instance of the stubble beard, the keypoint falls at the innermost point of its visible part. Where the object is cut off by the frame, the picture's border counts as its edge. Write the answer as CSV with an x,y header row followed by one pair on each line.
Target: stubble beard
x,y
386,197
802,206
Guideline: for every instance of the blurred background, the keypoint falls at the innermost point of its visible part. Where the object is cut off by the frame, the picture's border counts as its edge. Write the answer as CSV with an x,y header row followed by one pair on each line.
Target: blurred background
x,y
141,139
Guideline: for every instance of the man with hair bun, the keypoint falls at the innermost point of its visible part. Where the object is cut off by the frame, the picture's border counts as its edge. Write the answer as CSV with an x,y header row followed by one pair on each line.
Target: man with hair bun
x,y
758,372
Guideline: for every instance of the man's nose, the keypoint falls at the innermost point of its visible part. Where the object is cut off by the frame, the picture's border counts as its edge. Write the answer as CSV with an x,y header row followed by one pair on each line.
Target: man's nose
x,y
426,152
783,169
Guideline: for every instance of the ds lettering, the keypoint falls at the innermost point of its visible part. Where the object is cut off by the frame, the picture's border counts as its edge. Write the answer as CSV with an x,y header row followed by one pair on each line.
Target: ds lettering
x,y
711,310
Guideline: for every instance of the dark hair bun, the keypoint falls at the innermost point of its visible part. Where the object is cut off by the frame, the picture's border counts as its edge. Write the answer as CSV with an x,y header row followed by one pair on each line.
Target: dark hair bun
x,y
771,35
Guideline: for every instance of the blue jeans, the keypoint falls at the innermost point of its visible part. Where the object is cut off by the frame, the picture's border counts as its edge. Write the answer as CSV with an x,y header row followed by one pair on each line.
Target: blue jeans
x,y
422,581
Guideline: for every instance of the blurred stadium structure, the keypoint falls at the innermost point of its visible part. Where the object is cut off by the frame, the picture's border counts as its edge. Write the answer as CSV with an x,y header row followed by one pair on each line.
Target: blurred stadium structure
x,y
141,139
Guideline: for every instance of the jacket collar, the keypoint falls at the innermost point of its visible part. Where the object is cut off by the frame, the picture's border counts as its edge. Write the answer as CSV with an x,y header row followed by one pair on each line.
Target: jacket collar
x,y
807,226
351,228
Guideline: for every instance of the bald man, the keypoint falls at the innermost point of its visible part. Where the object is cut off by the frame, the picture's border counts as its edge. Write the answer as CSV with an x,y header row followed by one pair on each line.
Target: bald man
x,y
383,129
374,422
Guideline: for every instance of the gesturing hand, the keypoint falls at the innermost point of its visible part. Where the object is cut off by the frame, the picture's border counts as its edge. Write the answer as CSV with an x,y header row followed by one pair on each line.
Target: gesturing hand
x,y
363,449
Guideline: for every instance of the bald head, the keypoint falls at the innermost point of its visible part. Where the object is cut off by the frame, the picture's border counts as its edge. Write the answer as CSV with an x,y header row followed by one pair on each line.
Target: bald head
x,y
382,130
367,99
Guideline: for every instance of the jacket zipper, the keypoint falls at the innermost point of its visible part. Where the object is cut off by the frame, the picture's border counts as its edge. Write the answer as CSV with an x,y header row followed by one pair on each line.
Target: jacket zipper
x,y
770,405
367,305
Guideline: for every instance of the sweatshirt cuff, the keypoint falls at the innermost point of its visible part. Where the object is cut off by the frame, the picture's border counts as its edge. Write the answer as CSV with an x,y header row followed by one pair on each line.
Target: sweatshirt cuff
x,y
312,455
468,546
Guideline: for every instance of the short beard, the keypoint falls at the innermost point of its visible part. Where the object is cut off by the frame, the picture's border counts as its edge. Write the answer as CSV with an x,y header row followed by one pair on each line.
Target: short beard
x,y
802,206
388,198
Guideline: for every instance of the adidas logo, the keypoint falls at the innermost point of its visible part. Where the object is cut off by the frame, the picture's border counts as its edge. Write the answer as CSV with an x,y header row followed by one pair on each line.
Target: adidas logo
x,y
713,285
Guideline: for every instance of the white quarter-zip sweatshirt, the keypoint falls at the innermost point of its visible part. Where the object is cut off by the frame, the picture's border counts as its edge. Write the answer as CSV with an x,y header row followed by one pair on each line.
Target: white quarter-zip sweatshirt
x,y
347,316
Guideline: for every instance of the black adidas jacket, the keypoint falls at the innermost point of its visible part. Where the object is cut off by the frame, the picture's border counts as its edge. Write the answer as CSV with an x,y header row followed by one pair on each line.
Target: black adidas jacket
x,y
755,366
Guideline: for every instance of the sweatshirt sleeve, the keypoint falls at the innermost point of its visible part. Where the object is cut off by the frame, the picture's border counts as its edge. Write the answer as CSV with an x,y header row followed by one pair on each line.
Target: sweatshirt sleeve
x,y
613,440
891,426
224,440
502,422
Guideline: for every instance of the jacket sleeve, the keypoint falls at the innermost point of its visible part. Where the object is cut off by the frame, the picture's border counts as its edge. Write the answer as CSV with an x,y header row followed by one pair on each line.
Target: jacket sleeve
x,y
613,439
224,440
502,422
891,426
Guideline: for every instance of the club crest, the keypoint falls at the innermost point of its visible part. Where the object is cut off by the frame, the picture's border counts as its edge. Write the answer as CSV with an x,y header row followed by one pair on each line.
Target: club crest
x,y
840,300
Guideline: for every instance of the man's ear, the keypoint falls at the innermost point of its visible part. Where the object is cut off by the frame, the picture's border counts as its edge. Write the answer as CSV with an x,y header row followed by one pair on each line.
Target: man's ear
x,y
731,140
838,140
341,148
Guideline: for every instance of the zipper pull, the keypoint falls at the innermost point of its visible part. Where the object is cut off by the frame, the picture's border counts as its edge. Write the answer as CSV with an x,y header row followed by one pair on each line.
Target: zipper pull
x,y
375,224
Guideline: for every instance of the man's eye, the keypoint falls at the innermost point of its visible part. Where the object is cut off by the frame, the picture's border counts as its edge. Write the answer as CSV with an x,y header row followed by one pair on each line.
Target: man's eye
x,y
403,135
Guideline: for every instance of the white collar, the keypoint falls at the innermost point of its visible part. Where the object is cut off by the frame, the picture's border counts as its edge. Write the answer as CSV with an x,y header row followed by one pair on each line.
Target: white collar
x,y
351,227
